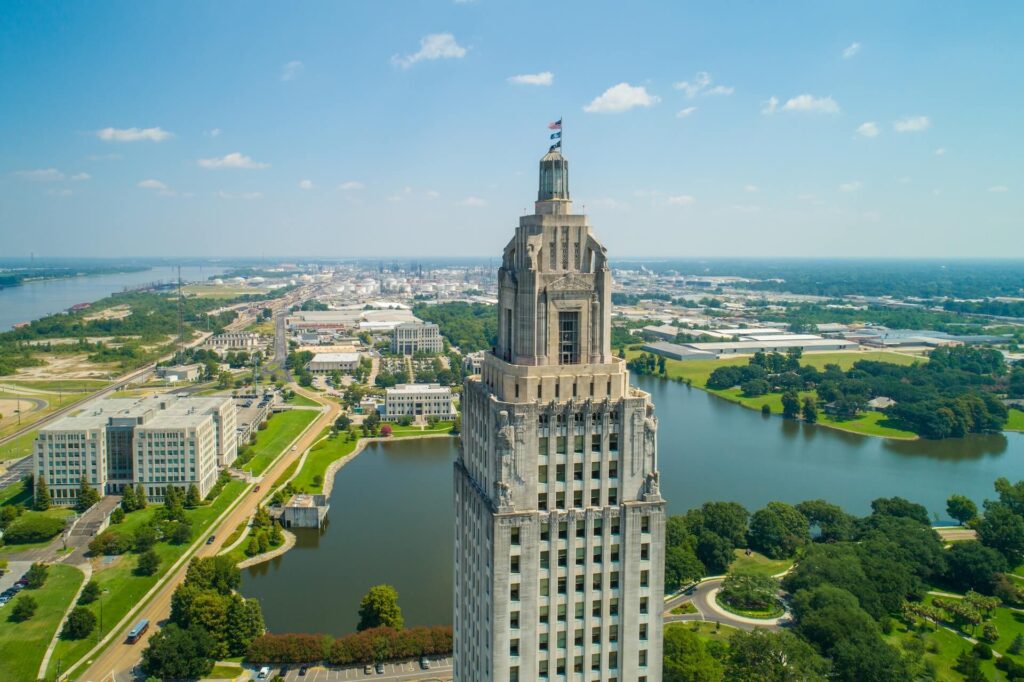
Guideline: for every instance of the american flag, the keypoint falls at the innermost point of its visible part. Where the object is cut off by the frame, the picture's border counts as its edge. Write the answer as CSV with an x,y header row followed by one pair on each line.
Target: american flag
x,y
557,125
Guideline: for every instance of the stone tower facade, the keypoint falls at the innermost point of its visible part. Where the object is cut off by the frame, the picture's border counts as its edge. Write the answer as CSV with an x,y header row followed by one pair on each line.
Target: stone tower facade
x,y
559,522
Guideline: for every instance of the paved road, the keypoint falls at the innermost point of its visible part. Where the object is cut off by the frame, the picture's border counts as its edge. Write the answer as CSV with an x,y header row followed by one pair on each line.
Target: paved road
x,y
703,598
119,656
440,669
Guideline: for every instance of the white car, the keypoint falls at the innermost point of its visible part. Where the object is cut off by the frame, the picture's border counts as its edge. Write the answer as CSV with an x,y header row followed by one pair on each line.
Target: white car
x,y
264,673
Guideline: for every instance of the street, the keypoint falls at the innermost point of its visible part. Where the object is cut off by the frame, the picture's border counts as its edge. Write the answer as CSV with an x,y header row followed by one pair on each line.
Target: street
x,y
440,669
703,598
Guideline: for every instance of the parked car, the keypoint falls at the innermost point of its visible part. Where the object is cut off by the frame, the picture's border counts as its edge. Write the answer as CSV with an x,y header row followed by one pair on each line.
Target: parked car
x,y
379,667
302,671
367,669
264,673
424,663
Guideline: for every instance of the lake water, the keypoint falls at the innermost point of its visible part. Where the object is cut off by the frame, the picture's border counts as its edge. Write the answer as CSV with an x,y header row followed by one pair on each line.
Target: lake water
x,y
33,300
391,508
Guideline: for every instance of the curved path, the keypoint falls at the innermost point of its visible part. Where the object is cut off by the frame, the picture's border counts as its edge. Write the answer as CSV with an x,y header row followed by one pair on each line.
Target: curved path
x,y
703,598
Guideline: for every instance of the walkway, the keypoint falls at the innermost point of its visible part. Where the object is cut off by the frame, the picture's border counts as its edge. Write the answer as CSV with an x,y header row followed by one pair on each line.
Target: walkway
x,y
703,598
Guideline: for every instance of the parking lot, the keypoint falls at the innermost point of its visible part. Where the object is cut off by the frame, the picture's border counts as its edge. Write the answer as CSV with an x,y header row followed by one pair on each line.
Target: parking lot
x,y
440,669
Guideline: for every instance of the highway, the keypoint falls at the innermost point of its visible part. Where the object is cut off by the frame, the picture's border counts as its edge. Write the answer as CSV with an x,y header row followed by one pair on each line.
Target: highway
x,y
116,661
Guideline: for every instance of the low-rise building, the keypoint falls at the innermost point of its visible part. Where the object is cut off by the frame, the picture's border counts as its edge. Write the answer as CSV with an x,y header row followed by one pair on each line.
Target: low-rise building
x,y
676,351
418,400
305,511
665,332
416,337
326,363
235,341
180,372
473,362
156,441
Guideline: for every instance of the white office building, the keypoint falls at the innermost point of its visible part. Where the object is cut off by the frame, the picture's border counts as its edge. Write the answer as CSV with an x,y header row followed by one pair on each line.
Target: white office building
x,y
416,337
418,400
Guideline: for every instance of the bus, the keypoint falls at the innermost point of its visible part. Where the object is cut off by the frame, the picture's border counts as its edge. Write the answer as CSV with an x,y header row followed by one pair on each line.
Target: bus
x,y
137,631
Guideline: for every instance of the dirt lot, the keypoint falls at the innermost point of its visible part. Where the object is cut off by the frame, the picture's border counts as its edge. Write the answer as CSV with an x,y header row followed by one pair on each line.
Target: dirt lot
x,y
116,312
65,366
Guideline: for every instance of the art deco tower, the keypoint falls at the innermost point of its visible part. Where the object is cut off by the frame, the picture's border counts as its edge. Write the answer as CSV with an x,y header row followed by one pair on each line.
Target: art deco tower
x,y
559,523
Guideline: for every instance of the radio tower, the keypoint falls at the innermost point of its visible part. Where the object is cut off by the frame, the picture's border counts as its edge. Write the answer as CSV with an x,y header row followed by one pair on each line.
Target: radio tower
x,y
181,322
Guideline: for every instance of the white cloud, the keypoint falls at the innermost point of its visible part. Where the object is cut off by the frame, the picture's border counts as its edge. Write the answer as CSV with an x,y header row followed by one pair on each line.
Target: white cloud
x,y
805,102
868,129
621,97
213,132
472,201
132,134
239,195
701,85
433,46
911,124
306,184
157,186
542,78
683,113
852,186
751,188
351,185
40,175
432,194
998,188
80,177
851,51
681,200
232,160
941,151
292,70
770,106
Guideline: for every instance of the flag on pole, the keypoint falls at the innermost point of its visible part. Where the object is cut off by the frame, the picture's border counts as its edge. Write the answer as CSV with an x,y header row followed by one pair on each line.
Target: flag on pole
x,y
556,136
557,125
557,145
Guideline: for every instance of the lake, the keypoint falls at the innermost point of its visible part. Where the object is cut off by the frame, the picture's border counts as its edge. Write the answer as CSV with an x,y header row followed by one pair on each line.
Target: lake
x,y
391,508
33,300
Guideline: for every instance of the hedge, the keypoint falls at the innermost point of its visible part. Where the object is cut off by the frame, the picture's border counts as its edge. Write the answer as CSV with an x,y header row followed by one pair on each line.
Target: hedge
x,y
360,647
110,542
31,527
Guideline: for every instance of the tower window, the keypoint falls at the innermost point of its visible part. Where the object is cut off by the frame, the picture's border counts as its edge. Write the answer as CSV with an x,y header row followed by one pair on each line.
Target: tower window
x,y
568,338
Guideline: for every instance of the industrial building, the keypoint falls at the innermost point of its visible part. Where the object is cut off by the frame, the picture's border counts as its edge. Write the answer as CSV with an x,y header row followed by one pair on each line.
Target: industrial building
x,y
326,363
677,351
156,442
235,341
305,511
418,400
780,344
176,373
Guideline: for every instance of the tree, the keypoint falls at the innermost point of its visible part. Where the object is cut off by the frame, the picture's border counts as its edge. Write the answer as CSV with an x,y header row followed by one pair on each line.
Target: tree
x,y
117,516
681,566
80,623
897,506
144,538
750,592
686,657
24,608
342,422
833,524
790,405
182,532
972,565
379,607
276,536
252,548
961,508
778,530
755,388
141,502
385,430
148,563
90,593
42,498
87,495
244,624
262,542
36,576
763,656
128,501
810,410
1017,645
1003,530
192,498
179,653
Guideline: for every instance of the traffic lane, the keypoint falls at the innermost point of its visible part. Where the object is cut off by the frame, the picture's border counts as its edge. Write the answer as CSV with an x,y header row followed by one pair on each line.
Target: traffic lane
x,y
408,671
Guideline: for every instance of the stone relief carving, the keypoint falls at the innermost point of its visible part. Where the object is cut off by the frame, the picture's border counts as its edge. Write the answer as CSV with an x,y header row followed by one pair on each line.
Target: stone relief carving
x,y
572,282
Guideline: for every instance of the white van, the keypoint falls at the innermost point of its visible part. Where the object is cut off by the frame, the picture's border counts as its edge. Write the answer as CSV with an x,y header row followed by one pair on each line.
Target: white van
x,y
264,673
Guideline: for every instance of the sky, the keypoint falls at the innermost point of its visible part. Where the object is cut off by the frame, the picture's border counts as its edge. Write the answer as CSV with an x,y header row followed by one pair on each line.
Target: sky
x,y
412,129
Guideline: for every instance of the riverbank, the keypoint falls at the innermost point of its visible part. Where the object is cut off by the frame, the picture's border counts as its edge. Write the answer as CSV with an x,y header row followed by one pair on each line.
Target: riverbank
x,y
695,373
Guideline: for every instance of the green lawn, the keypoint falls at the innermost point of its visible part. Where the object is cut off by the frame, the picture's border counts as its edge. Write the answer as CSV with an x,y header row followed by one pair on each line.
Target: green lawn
x,y
68,385
319,458
53,512
758,564
16,493
22,645
19,447
281,430
301,401
224,672
941,650
706,631
125,588
869,423
406,431
1016,421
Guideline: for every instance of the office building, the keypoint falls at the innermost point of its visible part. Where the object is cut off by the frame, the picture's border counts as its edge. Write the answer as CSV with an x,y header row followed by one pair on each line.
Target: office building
x,y
416,337
418,400
559,521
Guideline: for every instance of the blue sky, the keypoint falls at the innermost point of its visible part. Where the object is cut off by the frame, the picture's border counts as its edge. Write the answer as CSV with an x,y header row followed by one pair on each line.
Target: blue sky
x,y
399,128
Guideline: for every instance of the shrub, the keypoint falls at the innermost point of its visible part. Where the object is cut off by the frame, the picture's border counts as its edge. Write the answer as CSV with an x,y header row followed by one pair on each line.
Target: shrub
x,y
90,593
117,516
361,647
983,651
24,608
110,543
31,527
148,563
36,576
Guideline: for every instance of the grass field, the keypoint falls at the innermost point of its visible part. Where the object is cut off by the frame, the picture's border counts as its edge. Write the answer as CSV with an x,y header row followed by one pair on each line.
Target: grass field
x,y
301,401
125,588
708,632
281,430
62,513
22,645
407,431
224,672
319,458
941,648
868,424
67,385
1016,421
16,493
758,564
19,447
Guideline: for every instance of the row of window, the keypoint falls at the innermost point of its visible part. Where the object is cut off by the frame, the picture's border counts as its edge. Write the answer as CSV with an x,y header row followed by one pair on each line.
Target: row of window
x,y
578,444
595,665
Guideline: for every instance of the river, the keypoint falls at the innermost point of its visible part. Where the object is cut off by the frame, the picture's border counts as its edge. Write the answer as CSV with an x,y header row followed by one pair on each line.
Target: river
x,y
391,508
33,300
